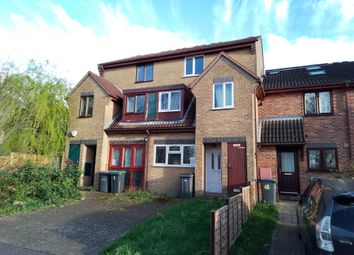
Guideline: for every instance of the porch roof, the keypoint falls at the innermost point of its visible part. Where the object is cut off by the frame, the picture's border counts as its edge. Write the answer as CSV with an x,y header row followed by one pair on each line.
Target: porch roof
x,y
282,131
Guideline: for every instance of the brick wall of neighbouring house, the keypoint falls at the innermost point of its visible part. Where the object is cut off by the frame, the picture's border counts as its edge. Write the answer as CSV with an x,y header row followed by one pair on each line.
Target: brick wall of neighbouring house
x,y
350,97
319,129
171,71
236,122
163,180
89,128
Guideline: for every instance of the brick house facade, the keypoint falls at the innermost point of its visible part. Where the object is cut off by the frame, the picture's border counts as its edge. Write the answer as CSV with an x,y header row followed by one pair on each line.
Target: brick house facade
x,y
156,116
306,123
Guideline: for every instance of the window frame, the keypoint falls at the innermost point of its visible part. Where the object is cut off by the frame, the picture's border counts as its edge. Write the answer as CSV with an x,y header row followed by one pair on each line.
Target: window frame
x,y
321,163
223,96
169,101
168,152
135,104
193,66
144,68
317,103
122,149
86,106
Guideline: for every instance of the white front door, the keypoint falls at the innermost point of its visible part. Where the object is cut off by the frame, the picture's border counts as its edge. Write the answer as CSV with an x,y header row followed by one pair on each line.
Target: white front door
x,y
213,169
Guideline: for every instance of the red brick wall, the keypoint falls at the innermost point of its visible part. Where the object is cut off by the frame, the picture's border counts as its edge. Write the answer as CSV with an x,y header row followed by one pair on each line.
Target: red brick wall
x,y
282,104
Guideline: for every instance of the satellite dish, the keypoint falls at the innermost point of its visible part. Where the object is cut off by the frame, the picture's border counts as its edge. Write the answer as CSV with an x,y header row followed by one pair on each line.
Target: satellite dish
x,y
72,133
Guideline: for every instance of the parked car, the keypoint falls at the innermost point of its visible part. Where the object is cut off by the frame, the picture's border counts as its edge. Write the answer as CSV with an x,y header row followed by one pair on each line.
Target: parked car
x,y
325,216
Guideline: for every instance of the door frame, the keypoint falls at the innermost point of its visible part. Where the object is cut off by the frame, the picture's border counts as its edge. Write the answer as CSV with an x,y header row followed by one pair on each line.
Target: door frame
x,y
295,150
217,145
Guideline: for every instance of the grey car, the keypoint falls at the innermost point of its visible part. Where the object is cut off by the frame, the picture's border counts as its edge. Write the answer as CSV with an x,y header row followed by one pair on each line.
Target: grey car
x,y
325,215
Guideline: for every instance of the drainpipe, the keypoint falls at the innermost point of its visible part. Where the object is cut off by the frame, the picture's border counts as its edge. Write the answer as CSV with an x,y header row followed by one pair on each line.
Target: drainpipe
x,y
348,121
147,158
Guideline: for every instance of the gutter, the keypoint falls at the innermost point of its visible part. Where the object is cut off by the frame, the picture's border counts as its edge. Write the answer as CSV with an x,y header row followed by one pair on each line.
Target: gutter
x,y
348,122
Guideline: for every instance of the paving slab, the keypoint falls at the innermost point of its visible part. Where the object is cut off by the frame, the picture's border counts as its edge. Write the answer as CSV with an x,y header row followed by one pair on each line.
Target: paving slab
x,y
81,228
285,239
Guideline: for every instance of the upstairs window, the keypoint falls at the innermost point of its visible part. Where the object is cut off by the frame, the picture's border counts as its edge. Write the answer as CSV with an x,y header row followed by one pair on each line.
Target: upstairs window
x,y
144,73
223,95
136,104
322,159
170,101
317,103
86,106
193,66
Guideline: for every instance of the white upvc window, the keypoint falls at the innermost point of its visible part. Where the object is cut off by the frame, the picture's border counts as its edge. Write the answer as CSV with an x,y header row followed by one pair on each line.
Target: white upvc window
x,y
223,95
170,101
193,65
176,155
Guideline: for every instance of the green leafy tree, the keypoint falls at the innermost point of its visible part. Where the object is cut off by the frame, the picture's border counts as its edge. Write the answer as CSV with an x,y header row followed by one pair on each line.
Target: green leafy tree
x,y
33,110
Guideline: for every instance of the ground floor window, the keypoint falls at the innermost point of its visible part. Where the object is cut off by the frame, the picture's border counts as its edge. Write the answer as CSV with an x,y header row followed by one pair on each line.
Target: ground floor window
x,y
322,159
129,158
174,155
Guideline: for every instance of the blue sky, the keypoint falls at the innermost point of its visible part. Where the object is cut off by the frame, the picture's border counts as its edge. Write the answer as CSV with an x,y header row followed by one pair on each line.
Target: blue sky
x,y
77,35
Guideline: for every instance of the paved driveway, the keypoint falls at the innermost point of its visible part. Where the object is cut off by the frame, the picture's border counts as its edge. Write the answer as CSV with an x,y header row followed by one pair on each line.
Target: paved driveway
x,y
81,228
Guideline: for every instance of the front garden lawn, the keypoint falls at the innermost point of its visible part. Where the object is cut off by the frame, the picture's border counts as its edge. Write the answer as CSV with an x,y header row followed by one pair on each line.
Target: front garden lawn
x,y
257,233
181,229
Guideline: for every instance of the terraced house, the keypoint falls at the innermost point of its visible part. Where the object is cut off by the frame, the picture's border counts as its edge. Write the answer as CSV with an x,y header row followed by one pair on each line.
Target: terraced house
x,y
156,116
306,123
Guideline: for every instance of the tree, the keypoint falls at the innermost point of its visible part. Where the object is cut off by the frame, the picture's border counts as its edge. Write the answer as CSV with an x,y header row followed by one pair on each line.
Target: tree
x,y
33,111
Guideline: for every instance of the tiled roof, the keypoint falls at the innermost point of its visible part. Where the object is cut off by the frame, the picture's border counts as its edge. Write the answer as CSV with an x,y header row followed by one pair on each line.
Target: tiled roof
x,y
179,52
107,86
309,76
288,130
187,122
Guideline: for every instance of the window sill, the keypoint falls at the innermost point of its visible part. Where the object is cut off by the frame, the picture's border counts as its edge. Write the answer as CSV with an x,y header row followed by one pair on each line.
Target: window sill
x,y
321,171
173,166
223,108
190,75
143,81
84,117
319,115
162,111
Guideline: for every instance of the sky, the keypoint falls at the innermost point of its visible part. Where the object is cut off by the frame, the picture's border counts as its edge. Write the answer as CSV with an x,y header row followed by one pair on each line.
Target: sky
x,y
76,35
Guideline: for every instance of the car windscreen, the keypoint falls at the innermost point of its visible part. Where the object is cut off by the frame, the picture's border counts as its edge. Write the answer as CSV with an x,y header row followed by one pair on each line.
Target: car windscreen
x,y
343,212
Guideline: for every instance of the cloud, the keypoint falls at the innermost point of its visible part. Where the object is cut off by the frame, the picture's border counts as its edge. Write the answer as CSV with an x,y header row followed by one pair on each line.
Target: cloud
x,y
75,48
282,10
268,4
347,9
306,51
228,10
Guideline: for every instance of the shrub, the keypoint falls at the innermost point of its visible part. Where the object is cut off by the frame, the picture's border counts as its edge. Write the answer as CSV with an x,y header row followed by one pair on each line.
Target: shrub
x,y
32,186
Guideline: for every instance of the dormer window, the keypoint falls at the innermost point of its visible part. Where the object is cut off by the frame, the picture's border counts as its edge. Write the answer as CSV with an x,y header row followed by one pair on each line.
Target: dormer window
x,y
193,65
136,104
144,73
170,101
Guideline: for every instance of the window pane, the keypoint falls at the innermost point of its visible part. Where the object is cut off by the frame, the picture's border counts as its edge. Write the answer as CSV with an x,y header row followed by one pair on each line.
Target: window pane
x,y
228,94
140,73
188,155
199,65
310,103
160,156
314,159
83,106
164,101
115,157
287,162
90,106
148,72
325,102
175,100
138,157
218,96
152,106
174,148
212,161
140,104
189,66
130,104
330,159
174,159
219,161
127,156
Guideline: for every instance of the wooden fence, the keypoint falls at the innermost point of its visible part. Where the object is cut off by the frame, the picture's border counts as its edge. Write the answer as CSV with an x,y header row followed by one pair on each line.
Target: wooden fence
x,y
16,159
227,221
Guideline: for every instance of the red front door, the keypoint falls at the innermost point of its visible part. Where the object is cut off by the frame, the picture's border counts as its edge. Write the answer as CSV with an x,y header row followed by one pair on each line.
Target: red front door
x,y
129,158
237,165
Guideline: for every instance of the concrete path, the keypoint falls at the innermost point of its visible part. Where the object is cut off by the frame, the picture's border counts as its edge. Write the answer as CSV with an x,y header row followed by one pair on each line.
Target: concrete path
x,y
285,238
81,228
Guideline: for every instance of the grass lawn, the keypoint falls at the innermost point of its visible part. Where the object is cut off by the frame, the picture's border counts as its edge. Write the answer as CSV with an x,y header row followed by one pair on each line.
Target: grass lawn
x,y
257,232
181,229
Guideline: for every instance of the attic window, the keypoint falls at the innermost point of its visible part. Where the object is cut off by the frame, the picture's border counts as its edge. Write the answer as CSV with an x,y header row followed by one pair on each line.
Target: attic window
x,y
319,72
274,72
313,68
